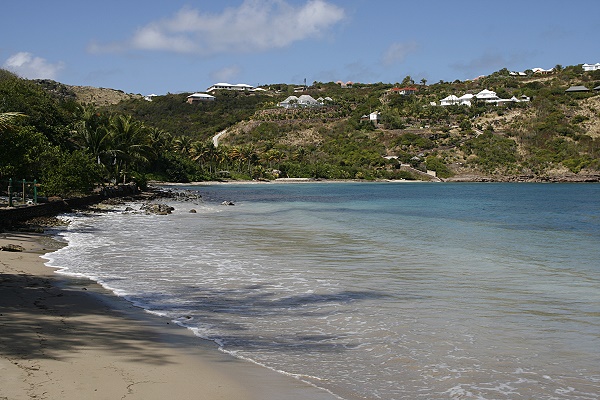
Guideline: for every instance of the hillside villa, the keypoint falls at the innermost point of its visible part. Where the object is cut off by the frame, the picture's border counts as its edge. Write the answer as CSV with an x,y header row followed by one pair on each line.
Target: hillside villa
x,y
577,89
404,91
304,101
240,87
345,84
591,67
374,117
486,96
199,97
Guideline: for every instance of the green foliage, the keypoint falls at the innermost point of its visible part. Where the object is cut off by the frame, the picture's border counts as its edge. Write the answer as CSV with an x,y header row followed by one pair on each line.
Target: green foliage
x,y
174,167
68,147
22,153
437,164
171,113
415,141
492,151
42,111
70,174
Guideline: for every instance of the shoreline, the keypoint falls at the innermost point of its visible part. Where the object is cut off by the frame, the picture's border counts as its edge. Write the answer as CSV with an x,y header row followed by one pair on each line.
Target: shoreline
x,y
459,179
67,337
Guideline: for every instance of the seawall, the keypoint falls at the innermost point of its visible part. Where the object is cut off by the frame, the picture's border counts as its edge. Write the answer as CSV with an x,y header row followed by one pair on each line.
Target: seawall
x,y
12,216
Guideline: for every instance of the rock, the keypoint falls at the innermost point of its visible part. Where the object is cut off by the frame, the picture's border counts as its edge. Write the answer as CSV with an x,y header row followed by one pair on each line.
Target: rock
x,y
193,211
129,209
228,203
12,247
158,209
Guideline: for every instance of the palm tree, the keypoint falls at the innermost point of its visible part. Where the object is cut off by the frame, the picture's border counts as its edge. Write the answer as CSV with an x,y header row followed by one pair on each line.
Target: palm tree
x,y
213,156
183,145
273,155
159,140
250,156
199,152
92,134
130,145
300,154
235,155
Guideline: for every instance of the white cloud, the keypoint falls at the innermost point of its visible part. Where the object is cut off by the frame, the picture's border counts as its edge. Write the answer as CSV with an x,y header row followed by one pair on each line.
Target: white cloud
x,y
28,66
256,25
397,52
225,74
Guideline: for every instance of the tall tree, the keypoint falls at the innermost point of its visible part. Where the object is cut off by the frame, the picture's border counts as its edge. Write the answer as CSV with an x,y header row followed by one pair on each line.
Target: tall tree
x,y
130,145
92,134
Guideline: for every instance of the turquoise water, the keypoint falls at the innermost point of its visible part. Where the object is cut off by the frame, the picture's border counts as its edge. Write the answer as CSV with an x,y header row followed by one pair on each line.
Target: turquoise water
x,y
374,290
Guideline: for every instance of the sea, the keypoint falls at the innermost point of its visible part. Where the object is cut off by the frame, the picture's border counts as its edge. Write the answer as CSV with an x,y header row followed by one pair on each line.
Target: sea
x,y
371,290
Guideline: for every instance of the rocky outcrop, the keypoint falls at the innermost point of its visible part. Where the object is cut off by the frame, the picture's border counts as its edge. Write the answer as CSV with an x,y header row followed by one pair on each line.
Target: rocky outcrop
x,y
12,247
157,208
574,178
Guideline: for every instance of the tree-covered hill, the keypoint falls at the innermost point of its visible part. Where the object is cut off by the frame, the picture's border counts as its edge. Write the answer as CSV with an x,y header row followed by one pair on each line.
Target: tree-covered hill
x,y
70,138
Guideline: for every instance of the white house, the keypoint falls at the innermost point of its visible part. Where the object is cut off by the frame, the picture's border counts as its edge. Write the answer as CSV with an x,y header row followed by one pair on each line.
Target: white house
x,y
307,101
591,67
488,96
325,100
240,87
199,97
465,99
374,117
290,102
485,95
303,101
449,100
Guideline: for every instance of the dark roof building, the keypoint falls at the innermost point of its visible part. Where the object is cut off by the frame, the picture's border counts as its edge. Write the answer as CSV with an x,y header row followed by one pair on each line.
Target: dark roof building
x,y
574,89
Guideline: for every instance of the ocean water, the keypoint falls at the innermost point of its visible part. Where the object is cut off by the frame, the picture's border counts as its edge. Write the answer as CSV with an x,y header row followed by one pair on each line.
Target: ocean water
x,y
373,290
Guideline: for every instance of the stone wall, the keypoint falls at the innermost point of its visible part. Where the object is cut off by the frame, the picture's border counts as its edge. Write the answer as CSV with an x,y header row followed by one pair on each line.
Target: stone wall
x,y
11,216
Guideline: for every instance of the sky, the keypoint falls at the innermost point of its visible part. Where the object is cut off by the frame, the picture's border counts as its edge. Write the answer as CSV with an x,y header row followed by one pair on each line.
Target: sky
x,y
174,46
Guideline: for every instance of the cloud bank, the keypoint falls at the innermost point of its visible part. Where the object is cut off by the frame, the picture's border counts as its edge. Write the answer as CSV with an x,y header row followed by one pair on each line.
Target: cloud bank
x,y
397,52
254,26
28,66
226,73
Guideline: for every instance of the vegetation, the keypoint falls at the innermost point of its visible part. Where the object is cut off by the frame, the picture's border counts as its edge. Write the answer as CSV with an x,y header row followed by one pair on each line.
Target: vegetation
x,y
69,146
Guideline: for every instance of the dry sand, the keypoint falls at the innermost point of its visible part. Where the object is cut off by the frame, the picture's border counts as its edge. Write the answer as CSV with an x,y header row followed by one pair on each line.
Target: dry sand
x,y
67,338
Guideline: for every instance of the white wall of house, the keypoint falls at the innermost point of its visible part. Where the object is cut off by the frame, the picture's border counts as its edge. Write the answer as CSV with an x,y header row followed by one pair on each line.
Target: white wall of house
x,y
228,86
591,67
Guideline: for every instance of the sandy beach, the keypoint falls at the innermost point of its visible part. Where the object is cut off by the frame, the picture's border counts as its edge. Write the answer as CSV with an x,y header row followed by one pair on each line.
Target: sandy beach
x,y
68,338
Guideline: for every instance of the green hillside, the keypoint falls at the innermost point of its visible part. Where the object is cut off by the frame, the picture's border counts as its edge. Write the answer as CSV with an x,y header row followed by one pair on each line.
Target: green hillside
x,y
70,138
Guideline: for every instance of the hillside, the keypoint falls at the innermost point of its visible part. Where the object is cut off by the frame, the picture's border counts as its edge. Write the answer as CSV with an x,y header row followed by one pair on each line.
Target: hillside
x,y
497,128
87,94
554,136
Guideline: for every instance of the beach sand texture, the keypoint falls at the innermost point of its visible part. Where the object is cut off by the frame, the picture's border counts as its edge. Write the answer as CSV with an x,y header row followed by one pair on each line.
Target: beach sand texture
x,y
68,338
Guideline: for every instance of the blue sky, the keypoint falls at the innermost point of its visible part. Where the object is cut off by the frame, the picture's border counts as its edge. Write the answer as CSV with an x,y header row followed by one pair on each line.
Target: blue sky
x,y
152,46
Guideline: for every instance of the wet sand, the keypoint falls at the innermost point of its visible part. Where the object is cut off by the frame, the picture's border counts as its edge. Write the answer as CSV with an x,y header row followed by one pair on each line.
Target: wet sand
x,y
68,338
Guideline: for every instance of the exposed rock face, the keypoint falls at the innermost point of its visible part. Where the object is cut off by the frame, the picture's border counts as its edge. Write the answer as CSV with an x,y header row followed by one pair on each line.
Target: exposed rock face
x,y
86,94
158,209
